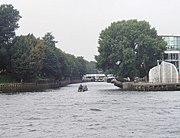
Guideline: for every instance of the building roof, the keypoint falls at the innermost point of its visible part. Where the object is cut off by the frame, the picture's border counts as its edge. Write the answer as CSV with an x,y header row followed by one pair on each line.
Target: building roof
x,y
169,35
172,51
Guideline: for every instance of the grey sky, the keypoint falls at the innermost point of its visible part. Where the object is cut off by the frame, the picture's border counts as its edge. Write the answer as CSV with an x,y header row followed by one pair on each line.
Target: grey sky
x,y
76,24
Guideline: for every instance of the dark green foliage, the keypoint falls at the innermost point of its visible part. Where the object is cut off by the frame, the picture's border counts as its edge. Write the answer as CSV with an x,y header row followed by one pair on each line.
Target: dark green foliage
x,y
6,78
33,58
27,58
59,65
49,40
8,23
81,66
129,48
9,18
53,64
71,65
3,58
91,67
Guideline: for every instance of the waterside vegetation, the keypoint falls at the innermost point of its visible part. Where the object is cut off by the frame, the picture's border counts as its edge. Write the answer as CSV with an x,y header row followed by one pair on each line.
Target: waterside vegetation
x,y
129,48
26,58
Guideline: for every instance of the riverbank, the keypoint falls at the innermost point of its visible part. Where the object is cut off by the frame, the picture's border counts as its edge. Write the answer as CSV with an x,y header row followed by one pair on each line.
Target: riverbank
x,y
142,86
35,86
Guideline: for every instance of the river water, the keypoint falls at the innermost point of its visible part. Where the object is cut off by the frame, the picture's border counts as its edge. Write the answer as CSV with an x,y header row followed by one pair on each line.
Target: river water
x,y
102,112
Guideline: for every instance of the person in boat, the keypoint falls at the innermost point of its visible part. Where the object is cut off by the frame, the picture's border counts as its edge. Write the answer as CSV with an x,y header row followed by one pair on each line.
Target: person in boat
x,y
80,88
85,88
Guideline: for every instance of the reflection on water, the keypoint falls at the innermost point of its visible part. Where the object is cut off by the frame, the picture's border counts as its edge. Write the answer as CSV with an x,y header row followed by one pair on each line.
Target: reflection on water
x,y
102,112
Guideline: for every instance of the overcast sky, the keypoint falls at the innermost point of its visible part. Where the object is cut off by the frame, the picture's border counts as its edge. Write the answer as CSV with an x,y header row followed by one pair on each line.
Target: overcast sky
x,y
76,24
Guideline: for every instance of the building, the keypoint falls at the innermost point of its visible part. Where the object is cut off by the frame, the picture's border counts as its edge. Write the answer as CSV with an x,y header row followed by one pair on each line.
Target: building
x,y
172,53
173,42
173,56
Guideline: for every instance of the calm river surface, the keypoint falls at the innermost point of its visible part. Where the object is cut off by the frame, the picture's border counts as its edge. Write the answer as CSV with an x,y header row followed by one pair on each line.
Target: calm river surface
x,y
102,112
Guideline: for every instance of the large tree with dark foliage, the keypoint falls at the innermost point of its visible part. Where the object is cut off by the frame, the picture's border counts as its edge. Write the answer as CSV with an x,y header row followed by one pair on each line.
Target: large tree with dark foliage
x,y
27,58
9,18
27,55
129,48
51,64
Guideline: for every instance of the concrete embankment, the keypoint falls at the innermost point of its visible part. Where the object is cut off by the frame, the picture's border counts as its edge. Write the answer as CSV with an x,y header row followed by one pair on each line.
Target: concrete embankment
x,y
36,86
141,86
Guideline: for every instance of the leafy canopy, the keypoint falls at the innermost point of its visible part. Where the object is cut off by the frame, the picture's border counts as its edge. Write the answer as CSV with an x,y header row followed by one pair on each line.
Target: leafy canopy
x,y
27,58
129,48
9,18
27,54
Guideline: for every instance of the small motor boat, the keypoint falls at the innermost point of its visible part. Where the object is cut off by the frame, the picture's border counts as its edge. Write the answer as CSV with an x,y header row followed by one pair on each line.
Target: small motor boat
x,y
82,88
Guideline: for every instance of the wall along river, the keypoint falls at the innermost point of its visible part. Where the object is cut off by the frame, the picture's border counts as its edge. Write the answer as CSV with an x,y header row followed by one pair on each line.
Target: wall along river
x,y
102,112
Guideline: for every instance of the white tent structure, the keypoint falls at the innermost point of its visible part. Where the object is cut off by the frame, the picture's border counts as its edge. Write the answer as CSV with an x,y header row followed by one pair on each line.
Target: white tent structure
x,y
163,73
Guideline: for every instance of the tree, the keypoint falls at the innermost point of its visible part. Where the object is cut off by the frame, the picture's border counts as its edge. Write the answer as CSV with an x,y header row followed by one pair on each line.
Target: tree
x,y
27,55
71,66
129,48
49,40
9,18
51,64
37,55
51,68
91,67
75,66
62,64
82,68
4,58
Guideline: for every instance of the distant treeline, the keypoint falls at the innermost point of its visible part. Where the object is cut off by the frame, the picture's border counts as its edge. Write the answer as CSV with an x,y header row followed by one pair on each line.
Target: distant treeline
x,y
27,58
